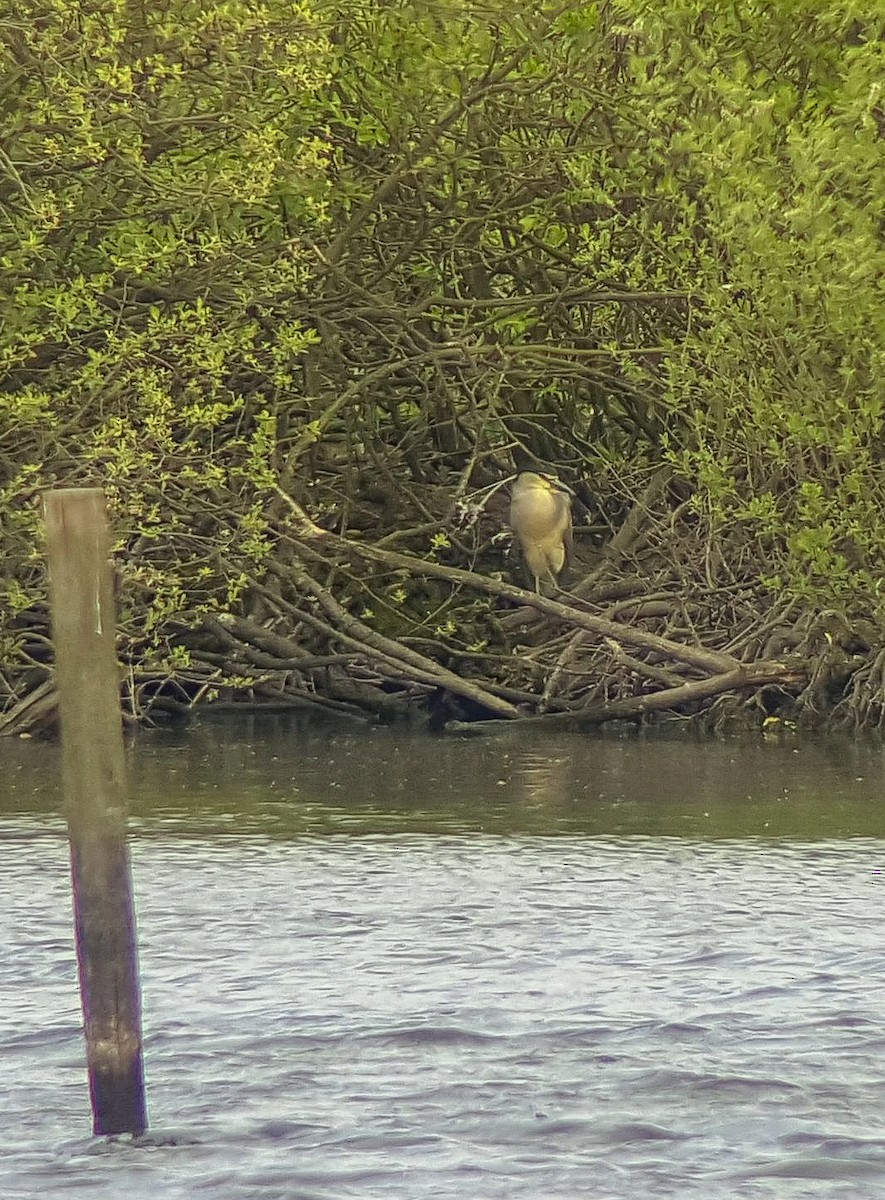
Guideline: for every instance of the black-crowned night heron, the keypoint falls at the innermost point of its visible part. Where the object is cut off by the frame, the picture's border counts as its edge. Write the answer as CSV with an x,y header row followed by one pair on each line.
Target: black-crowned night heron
x,y
541,517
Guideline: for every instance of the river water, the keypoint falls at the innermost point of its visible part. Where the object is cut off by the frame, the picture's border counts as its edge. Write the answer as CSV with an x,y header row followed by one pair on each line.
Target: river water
x,y
378,964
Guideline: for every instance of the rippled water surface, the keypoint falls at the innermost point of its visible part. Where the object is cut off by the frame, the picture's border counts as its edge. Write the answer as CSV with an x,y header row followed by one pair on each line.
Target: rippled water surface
x,y
381,965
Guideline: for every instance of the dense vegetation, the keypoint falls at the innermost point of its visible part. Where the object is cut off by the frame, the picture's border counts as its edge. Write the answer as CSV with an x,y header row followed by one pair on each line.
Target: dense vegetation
x,y
299,283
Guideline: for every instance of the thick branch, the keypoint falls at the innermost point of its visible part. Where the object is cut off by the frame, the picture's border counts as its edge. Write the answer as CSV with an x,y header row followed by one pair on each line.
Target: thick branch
x,y
743,678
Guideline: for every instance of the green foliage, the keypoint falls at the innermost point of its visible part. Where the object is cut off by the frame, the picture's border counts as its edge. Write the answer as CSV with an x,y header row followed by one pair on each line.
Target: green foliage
x,y
780,382
240,247
161,166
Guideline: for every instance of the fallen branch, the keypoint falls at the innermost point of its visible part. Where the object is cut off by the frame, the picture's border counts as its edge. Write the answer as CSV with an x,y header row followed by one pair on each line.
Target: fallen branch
x,y
35,711
673,698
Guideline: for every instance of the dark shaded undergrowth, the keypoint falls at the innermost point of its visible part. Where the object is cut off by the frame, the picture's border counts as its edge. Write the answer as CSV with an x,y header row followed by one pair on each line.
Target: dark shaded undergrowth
x,y
375,627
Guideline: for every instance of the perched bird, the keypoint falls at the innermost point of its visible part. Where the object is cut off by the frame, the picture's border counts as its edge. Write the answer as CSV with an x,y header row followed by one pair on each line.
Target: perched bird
x,y
541,517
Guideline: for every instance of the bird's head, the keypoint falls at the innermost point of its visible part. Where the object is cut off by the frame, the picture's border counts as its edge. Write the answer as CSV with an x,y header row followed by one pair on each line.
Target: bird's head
x,y
540,481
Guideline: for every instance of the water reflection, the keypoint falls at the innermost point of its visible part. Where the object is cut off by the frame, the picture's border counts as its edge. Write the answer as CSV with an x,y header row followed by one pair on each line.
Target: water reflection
x,y
283,777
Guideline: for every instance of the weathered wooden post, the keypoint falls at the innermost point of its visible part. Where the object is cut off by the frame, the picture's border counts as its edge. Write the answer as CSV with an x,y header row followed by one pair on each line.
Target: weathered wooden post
x,y
83,631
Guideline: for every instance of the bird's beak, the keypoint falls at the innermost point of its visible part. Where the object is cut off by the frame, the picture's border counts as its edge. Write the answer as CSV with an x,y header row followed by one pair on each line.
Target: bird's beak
x,y
556,485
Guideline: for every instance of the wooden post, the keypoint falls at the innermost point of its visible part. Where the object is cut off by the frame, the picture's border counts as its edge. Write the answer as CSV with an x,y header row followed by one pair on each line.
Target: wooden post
x,y
83,631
